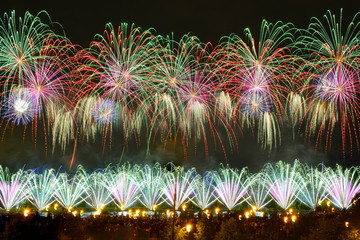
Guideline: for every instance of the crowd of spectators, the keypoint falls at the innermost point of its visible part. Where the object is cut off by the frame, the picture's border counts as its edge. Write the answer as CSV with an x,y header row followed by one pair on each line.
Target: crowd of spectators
x,y
321,224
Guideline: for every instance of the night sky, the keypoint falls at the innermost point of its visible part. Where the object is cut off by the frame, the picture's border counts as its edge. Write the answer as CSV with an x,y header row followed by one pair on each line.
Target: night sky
x,y
207,19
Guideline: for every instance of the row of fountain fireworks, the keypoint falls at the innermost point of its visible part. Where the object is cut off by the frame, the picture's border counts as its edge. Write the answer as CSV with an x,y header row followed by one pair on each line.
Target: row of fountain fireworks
x,y
152,185
139,84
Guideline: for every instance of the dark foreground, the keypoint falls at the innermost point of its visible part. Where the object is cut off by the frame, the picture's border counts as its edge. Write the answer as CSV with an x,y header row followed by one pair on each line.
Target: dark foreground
x,y
324,224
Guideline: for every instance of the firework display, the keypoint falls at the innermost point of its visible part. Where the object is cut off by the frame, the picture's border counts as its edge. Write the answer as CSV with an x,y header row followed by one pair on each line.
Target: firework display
x,y
151,88
281,184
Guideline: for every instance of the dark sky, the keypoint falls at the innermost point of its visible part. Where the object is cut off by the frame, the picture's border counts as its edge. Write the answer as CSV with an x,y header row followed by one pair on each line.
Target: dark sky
x,y
207,19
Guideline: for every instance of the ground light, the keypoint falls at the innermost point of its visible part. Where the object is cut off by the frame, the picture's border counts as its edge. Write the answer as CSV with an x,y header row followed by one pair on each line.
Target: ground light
x,y
291,210
184,207
26,212
188,229
154,207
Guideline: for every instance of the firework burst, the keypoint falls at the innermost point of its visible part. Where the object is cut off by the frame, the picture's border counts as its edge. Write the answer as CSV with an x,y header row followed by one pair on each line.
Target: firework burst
x,y
13,188
231,186
257,76
19,107
283,182
342,185
332,84
20,43
42,188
